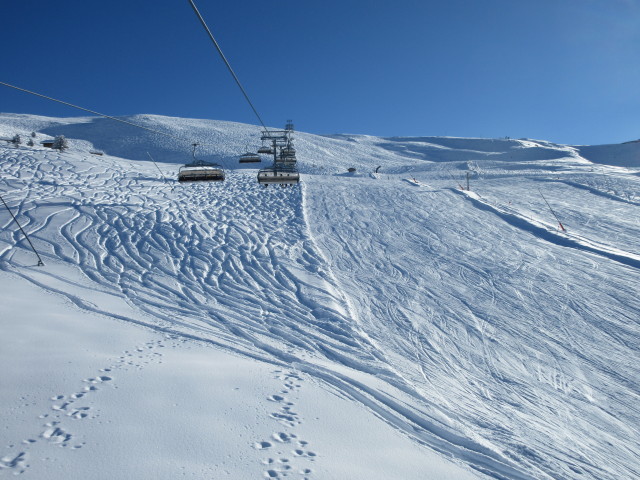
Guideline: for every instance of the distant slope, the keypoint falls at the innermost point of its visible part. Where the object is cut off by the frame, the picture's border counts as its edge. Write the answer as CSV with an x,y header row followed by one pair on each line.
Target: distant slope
x,y
621,155
225,141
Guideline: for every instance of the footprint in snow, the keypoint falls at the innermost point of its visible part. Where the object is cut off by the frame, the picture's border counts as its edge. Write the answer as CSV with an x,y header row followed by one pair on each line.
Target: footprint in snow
x,y
298,452
284,467
18,462
99,379
262,445
79,413
283,437
54,432
57,435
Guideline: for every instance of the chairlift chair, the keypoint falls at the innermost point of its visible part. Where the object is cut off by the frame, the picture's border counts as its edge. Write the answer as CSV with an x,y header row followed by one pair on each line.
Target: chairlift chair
x,y
265,149
200,171
289,151
275,175
250,158
287,158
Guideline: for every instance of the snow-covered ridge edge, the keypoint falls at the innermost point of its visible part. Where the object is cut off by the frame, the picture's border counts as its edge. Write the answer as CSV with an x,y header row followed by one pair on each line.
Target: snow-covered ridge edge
x,y
551,233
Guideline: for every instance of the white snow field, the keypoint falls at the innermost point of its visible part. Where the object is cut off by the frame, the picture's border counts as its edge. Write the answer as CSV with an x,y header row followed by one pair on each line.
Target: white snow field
x,y
358,325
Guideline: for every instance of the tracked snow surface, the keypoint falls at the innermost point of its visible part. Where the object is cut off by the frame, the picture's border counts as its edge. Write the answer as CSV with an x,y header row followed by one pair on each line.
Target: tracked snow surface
x,y
359,325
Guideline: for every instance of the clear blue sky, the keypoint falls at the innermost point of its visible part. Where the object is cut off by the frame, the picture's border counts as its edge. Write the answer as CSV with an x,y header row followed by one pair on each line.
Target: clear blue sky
x,y
561,70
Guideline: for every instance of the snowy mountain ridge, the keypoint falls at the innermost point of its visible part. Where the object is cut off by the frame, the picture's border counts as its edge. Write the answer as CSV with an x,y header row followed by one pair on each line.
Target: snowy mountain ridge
x,y
467,320
215,137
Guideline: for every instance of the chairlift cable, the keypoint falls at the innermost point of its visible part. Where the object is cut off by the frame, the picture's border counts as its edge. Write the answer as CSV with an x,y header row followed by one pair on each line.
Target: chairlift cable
x,y
182,139
91,111
235,77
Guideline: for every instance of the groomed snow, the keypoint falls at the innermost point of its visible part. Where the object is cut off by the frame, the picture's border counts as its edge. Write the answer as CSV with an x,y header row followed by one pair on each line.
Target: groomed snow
x,y
358,325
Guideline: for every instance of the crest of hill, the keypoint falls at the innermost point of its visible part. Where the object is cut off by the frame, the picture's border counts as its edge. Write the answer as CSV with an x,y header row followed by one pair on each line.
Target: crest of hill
x,y
224,141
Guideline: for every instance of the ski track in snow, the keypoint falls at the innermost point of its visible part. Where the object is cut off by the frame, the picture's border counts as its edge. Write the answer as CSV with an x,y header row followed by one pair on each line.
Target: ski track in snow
x,y
463,321
234,268
476,298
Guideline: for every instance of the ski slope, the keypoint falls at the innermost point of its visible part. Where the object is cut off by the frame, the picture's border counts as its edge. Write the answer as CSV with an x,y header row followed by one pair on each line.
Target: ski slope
x,y
465,321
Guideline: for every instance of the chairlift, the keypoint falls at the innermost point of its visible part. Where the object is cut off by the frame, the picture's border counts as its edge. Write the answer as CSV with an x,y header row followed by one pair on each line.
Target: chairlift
x,y
289,151
249,157
287,156
200,171
286,161
275,175
265,149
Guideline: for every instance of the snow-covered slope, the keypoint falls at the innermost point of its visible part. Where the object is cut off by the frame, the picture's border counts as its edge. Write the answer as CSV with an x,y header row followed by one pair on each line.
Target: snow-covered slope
x,y
465,321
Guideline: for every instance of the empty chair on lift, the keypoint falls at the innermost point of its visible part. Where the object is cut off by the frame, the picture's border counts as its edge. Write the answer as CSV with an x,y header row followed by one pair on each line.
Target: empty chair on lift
x,y
283,176
266,149
289,151
200,171
286,160
250,158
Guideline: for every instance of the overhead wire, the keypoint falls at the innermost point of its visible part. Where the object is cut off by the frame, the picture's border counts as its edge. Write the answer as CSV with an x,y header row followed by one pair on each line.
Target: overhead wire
x,y
235,77
182,139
